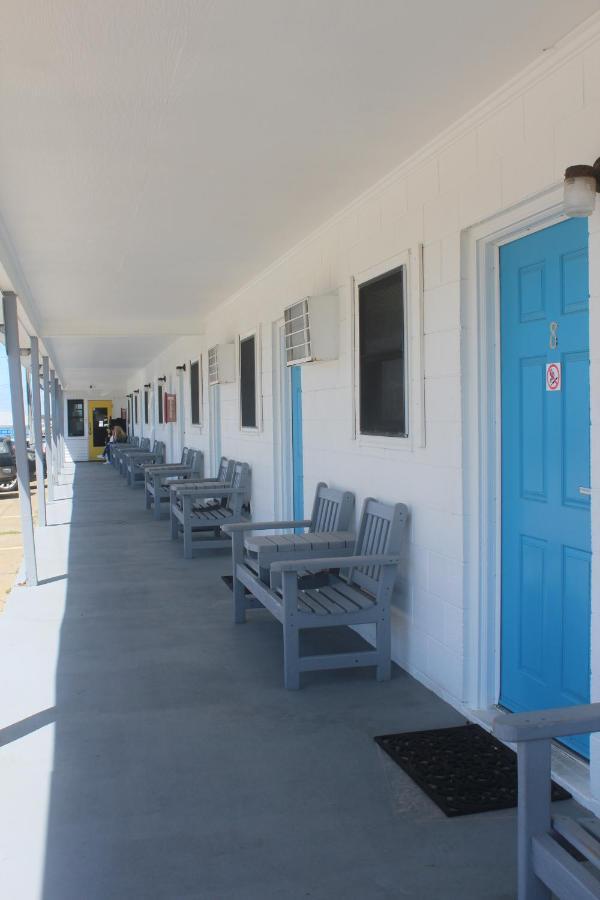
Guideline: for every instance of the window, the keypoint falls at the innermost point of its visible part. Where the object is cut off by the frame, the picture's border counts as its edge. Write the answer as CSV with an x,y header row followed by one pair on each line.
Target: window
x,y
161,409
248,381
382,358
75,417
195,392
135,408
146,407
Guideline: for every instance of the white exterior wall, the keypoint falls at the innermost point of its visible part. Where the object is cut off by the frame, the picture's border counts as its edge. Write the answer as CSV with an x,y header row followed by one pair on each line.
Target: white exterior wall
x,y
513,147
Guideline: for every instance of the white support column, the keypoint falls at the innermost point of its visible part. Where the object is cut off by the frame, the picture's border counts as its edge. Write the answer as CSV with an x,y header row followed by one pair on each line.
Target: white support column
x,y
61,428
53,385
37,430
48,428
11,325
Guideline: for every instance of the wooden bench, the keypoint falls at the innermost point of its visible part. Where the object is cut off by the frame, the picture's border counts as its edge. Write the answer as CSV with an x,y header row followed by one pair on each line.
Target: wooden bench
x,y
201,509
143,447
359,595
325,533
158,479
557,855
136,463
120,446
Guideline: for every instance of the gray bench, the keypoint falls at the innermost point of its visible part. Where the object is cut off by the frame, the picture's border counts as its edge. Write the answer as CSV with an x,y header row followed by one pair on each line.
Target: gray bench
x,y
136,463
157,479
143,447
119,447
359,595
199,510
325,533
557,855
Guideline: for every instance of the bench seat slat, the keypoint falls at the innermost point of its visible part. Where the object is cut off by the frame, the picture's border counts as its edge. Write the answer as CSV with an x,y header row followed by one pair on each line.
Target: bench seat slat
x,y
360,598
576,834
343,603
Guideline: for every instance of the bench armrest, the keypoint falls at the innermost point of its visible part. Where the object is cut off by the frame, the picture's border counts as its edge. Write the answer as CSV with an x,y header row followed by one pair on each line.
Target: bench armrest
x,y
189,485
265,526
334,562
545,724
208,491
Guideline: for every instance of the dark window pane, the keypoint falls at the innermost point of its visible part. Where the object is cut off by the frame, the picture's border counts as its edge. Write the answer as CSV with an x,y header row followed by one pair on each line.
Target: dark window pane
x,y
248,382
161,411
75,417
382,355
135,408
195,392
146,407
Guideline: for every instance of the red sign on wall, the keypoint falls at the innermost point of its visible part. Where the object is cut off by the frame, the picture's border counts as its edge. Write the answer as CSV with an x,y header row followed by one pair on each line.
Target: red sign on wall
x,y
170,407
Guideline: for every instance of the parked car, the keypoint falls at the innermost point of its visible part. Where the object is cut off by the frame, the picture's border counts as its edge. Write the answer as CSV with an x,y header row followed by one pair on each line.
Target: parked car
x,y
8,466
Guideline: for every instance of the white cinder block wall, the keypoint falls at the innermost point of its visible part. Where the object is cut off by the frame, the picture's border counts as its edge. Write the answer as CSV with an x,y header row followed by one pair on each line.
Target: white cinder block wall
x,y
515,145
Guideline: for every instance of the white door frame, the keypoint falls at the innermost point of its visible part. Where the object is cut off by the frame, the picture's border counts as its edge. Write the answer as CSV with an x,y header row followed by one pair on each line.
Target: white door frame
x,y
283,467
481,423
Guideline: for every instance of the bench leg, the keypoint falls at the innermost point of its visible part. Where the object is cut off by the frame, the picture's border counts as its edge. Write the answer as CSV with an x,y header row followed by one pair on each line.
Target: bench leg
x,y
148,497
384,647
534,816
237,554
174,522
156,498
291,634
187,527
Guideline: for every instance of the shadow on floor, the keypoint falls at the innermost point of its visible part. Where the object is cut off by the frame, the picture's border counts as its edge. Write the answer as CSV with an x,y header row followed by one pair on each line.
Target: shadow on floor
x,y
183,769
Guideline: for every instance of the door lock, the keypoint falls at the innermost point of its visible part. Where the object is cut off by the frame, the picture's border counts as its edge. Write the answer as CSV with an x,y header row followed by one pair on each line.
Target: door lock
x,y
585,491
553,342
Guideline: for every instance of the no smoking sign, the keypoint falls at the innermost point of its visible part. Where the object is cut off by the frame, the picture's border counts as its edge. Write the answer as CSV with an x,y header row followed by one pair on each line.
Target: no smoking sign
x,y
553,377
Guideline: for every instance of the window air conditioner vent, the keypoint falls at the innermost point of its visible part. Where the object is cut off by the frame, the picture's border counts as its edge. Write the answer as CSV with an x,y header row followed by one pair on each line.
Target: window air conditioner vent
x,y
221,363
311,329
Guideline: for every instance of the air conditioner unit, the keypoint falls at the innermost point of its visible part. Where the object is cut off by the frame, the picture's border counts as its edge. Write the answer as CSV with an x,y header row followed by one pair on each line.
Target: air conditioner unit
x,y
312,329
221,363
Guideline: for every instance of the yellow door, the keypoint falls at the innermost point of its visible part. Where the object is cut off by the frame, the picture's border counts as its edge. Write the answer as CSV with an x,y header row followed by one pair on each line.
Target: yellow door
x,y
99,415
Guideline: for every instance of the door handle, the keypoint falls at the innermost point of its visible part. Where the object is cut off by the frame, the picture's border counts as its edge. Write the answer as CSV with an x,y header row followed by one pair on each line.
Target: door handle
x,y
586,491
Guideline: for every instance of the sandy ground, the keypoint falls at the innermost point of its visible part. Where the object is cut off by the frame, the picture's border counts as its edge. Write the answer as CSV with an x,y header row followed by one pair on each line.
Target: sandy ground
x,y
11,541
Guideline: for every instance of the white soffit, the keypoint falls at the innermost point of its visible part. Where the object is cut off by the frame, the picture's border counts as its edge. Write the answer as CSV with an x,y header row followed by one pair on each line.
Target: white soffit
x,y
156,155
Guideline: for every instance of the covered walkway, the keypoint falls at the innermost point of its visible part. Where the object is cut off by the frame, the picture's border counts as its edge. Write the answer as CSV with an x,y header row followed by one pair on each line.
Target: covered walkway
x,y
173,762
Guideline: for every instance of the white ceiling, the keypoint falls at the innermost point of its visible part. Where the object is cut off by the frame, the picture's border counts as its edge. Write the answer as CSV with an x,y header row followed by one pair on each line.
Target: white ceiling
x,y
156,154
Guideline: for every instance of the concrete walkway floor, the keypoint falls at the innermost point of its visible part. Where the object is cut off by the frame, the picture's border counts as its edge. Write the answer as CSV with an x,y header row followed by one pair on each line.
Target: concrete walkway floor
x,y
149,750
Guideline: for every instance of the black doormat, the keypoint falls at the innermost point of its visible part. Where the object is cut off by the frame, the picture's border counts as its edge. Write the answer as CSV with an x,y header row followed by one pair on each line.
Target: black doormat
x,y
228,579
463,770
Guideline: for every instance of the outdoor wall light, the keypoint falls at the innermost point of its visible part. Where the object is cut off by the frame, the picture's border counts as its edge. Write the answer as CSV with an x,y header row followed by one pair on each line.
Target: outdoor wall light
x,y
148,385
162,378
181,368
582,183
137,390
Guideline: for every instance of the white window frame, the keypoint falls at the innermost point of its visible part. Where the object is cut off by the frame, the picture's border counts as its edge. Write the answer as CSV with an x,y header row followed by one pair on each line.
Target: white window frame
x,y
255,333
197,426
414,397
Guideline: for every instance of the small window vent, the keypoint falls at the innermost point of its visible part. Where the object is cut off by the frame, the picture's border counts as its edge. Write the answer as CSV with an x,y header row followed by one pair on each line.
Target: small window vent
x,y
221,363
213,366
297,333
311,330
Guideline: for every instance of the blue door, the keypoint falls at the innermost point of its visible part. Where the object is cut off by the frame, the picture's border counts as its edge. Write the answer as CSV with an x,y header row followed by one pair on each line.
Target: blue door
x,y
546,539
297,460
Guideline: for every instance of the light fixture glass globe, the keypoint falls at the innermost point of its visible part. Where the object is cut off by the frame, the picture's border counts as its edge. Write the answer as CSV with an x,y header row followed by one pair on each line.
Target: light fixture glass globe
x,y
580,195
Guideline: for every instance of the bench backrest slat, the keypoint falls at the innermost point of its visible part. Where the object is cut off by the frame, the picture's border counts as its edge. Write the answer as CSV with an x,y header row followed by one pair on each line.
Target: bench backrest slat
x,y
240,479
145,444
332,509
196,463
379,532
